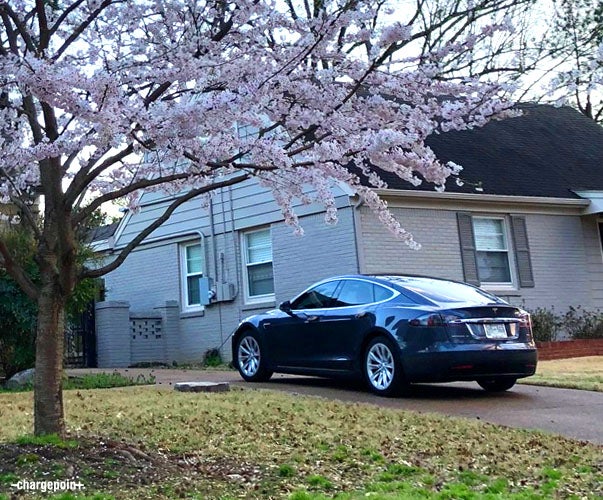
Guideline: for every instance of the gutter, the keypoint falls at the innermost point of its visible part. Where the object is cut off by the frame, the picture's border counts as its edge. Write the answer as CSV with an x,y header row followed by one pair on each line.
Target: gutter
x,y
484,202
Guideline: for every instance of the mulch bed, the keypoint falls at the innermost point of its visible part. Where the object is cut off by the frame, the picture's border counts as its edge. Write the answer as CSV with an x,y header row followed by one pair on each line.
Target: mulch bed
x,y
109,466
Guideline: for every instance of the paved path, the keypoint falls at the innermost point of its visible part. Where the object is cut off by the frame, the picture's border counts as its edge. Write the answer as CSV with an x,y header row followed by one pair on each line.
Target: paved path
x,y
572,413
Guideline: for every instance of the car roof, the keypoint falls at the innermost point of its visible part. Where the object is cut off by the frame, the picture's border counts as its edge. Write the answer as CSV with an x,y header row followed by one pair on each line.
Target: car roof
x,y
417,287
395,279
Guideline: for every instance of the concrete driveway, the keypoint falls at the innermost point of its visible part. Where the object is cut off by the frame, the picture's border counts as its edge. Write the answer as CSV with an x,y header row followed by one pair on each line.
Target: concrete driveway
x,y
571,413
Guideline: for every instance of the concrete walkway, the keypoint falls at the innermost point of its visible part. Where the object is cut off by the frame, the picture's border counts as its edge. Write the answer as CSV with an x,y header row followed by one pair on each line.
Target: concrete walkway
x,y
571,413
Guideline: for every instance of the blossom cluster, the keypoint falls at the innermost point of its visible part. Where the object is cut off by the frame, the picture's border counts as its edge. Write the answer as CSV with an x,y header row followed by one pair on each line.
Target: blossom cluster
x,y
123,96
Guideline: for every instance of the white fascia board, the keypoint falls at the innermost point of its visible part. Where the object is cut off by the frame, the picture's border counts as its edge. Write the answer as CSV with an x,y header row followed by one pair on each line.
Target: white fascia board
x,y
478,201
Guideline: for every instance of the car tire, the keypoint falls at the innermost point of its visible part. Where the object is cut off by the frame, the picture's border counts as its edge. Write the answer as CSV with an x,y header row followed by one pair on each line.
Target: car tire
x,y
382,368
497,384
249,358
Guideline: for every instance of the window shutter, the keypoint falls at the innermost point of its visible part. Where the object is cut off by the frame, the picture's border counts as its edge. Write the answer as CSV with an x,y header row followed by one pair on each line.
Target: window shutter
x,y
467,241
522,251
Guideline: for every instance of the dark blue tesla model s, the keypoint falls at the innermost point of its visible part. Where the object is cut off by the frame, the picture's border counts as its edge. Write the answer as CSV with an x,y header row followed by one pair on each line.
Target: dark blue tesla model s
x,y
391,330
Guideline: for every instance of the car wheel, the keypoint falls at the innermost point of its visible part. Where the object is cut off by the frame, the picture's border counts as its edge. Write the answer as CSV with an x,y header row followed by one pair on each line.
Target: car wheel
x,y
250,361
382,368
497,384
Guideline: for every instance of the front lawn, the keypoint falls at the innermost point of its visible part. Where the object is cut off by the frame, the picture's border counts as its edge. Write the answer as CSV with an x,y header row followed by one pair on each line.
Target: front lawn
x,y
573,373
263,444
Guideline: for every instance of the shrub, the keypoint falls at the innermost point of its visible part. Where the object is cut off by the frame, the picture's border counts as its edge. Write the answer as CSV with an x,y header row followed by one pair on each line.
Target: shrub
x,y
545,324
17,310
19,313
212,357
583,324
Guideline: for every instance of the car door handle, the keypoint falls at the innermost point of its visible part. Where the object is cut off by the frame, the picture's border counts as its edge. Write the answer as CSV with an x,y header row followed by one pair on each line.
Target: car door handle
x,y
311,318
361,315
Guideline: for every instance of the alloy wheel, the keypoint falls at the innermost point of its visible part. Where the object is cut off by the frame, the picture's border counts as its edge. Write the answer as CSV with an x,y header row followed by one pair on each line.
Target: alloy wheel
x,y
249,356
380,367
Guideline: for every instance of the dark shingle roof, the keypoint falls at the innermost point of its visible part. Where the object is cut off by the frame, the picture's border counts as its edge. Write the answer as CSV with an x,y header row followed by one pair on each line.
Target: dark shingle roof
x,y
547,151
102,232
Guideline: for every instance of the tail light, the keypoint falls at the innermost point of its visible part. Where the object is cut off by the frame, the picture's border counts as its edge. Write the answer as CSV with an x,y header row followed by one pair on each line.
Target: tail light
x,y
427,320
525,321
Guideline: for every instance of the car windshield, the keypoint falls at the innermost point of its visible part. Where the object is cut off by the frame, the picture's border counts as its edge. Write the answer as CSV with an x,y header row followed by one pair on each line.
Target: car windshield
x,y
444,291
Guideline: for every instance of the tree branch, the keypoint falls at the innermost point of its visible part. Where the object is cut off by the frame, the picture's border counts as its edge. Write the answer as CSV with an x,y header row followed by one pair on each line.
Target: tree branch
x,y
17,272
82,27
95,273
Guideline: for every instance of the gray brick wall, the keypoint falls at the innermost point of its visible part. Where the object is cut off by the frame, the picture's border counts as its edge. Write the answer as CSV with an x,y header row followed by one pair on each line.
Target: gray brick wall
x,y
113,334
435,230
567,265
594,254
560,263
148,277
323,251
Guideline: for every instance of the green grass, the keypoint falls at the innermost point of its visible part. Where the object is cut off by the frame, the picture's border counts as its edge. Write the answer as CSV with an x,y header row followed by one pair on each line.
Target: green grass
x,y
49,439
262,444
584,373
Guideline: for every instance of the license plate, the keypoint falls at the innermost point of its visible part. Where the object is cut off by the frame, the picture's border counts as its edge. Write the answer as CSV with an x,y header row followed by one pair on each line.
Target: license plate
x,y
495,331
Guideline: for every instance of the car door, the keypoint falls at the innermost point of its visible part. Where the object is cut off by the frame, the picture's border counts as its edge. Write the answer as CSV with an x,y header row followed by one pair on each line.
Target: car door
x,y
295,338
345,325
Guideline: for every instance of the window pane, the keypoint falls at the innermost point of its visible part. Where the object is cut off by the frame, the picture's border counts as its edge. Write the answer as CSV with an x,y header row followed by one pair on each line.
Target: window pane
x,y
489,234
381,293
319,297
355,292
493,267
443,291
259,247
261,280
194,292
194,259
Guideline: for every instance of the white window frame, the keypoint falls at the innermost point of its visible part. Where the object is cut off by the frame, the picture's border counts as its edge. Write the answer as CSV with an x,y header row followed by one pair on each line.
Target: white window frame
x,y
254,299
184,275
503,285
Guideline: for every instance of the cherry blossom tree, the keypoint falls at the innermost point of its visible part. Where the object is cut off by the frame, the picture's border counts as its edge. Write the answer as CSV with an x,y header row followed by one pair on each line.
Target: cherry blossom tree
x,y
575,42
101,99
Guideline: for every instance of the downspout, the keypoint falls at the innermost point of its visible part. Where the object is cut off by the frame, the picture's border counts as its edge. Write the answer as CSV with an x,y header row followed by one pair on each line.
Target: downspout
x,y
357,232
212,233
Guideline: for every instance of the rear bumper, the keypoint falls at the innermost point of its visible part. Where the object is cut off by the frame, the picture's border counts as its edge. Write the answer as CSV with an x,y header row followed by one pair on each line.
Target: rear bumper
x,y
470,362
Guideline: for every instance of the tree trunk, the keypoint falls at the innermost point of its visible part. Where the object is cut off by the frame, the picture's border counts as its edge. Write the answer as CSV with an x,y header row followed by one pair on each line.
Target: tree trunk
x,y
48,381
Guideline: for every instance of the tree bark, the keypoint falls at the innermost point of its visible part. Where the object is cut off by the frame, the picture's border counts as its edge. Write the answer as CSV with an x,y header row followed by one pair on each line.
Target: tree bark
x,y
48,381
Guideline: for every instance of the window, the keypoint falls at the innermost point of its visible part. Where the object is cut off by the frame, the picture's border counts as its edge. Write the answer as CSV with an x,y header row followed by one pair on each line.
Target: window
x,y
356,292
319,297
192,262
495,251
257,260
492,250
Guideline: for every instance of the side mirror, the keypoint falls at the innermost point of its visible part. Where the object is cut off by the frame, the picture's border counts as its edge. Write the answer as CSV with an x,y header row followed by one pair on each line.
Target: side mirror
x,y
286,307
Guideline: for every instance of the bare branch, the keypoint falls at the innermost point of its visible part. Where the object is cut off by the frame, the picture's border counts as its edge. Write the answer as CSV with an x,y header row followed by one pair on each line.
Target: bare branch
x,y
95,273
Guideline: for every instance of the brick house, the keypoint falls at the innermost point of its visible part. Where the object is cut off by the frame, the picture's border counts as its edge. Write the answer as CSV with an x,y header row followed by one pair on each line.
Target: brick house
x,y
525,225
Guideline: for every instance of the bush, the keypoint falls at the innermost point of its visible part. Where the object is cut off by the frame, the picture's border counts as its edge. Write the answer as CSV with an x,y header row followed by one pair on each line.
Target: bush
x,y
212,358
545,324
18,312
583,324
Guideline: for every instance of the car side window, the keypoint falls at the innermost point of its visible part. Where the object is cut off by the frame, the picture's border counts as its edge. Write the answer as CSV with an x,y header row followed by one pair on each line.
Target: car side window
x,y
355,292
319,297
381,293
